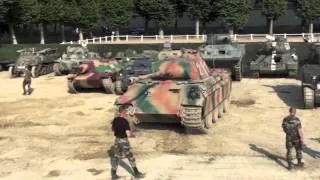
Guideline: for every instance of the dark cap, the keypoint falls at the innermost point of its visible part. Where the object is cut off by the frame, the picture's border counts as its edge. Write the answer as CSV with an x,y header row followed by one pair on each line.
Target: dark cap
x,y
292,110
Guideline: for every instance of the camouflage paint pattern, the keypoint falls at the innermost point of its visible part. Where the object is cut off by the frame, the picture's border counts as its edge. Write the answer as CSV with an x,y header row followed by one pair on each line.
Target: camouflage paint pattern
x,y
177,84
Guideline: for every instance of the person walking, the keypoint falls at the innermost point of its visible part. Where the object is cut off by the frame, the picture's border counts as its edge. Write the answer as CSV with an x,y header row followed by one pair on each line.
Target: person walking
x,y
122,148
294,137
26,84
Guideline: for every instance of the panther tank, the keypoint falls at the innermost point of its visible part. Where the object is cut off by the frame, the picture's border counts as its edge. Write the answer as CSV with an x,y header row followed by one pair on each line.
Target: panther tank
x,y
180,90
310,78
72,59
220,52
96,74
41,62
136,67
276,57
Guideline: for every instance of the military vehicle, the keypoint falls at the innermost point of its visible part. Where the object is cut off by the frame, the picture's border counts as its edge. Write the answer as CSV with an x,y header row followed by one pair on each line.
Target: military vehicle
x,y
72,59
41,61
180,90
220,52
310,78
5,64
276,57
96,74
136,67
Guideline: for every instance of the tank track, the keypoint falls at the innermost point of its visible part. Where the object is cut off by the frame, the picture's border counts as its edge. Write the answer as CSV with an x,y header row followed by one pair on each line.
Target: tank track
x,y
56,70
192,120
45,69
292,74
118,87
308,97
238,73
71,88
108,85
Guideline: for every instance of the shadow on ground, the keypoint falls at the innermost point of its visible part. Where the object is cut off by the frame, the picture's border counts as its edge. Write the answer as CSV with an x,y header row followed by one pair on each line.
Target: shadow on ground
x,y
159,126
291,95
312,153
278,159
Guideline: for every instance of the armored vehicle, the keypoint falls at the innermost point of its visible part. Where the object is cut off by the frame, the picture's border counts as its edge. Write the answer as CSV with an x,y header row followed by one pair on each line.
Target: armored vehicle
x,y
220,52
72,59
96,74
276,57
310,78
136,67
41,61
5,64
180,90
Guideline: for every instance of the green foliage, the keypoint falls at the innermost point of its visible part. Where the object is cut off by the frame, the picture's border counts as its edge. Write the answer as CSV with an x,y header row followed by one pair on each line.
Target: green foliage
x,y
161,11
180,6
308,10
200,9
273,9
116,12
11,11
89,13
233,13
70,12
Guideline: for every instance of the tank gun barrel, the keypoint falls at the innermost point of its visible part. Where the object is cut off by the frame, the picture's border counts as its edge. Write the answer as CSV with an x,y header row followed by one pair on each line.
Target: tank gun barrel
x,y
143,77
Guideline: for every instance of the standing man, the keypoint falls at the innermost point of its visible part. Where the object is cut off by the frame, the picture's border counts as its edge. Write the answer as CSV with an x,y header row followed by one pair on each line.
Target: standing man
x,y
294,137
27,81
122,148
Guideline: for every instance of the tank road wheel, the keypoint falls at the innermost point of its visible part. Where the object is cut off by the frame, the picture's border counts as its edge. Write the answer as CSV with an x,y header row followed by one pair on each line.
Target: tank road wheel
x,y
34,71
71,88
292,74
11,72
56,70
308,97
238,72
108,86
119,87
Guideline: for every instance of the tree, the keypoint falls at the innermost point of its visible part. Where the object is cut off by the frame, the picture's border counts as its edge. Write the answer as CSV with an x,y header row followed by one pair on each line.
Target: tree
x,y
308,10
233,14
180,6
11,15
272,10
200,11
117,15
160,11
89,15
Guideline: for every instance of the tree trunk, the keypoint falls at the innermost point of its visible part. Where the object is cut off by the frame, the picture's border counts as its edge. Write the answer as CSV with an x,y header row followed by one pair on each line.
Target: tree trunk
x,y
161,32
197,27
146,24
80,34
13,35
311,28
41,29
63,36
270,26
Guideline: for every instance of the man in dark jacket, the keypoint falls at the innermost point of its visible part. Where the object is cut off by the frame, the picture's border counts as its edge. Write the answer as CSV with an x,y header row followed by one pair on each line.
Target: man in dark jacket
x,y
294,137
122,148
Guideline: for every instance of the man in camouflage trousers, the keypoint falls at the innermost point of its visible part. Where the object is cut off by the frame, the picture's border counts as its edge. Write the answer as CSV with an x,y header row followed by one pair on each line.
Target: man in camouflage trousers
x,y
294,137
27,81
122,148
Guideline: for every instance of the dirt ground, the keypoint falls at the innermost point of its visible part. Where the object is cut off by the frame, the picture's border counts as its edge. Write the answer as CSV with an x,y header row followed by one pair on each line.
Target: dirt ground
x,y
54,135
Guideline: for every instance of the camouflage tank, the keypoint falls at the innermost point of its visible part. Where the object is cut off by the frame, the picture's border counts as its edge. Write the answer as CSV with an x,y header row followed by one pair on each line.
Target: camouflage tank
x,y
136,67
72,59
276,57
5,64
96,74
220,52
310,78
41,62
180,90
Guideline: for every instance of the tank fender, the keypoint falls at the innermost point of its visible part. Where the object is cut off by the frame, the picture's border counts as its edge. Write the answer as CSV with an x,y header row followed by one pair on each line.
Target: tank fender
x,y
193,95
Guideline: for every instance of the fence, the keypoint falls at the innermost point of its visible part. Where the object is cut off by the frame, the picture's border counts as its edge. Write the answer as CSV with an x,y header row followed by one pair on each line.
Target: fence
x,y
132,39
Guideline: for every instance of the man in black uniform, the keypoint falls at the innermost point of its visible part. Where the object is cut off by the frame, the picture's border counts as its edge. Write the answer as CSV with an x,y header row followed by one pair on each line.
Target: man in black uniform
x,y
122,148
27,81
294,137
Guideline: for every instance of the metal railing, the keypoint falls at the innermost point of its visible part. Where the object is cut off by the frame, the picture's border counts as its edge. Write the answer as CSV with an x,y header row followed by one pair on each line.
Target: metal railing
x,y
133,39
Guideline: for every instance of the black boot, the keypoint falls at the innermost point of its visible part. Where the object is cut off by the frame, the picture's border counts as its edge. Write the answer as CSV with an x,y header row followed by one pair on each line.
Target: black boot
x,y
114,174
300,163
138,174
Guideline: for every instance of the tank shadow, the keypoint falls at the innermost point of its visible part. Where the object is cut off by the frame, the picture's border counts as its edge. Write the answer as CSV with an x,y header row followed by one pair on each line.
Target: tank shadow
x,y
123,164
160,126
278,159
312,153
291,95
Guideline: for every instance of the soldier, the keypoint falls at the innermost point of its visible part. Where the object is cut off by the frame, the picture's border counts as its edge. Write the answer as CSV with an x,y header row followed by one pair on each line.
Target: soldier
x,y
294,137
122,148
27,81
